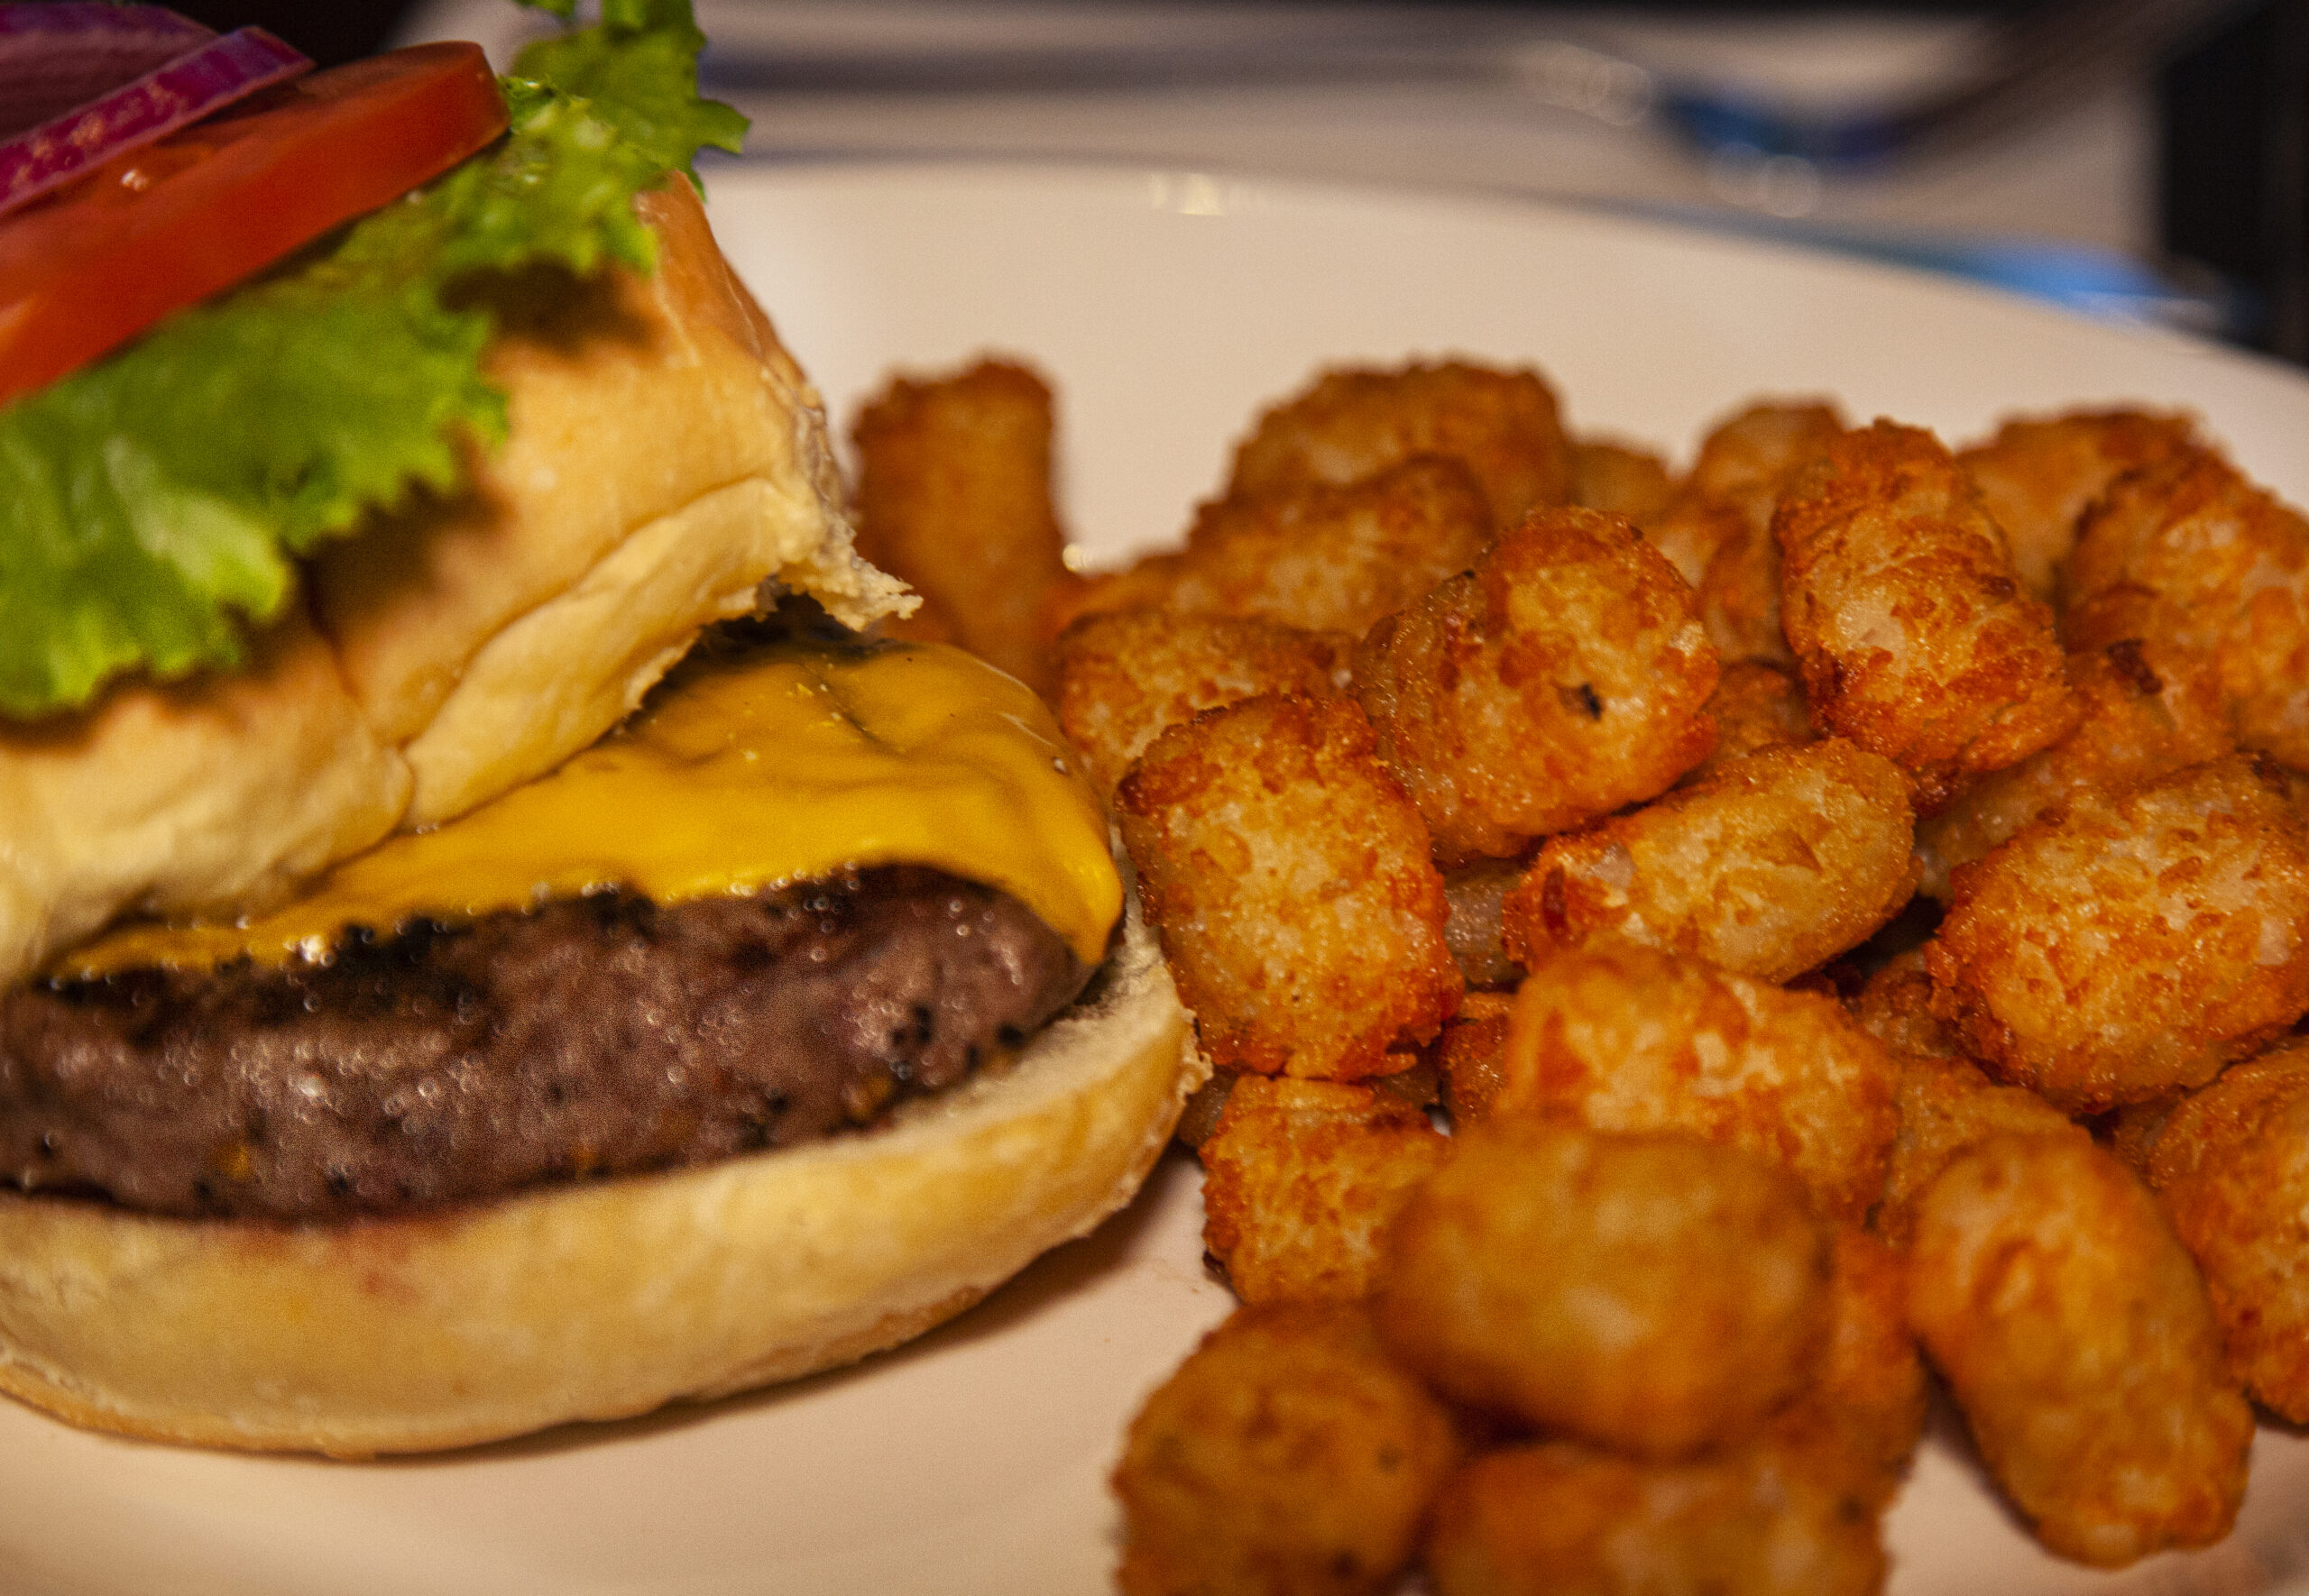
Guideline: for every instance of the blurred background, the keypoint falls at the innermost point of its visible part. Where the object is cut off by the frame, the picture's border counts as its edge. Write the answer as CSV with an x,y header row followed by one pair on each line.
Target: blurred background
x,y
2135,159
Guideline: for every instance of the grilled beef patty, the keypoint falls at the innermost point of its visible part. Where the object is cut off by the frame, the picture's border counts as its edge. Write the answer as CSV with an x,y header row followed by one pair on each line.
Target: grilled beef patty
x,y
595,1036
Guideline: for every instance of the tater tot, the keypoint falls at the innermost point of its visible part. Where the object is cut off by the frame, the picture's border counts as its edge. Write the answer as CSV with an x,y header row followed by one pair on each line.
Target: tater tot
x,y
1563,1519
1654,1294
2209,571
1864,1414
2136,726
2125,949
1718,530
1470,1054
1475,892
2231,1166
1563,678
1620,479
1745,458
1756,706
1329,557
1623,1038
1913,637
2038,474
1126,676
1501,426
954,496
1301,1181
1946,1104
1739,598
1690,530
1288,1456
1288,874
2074,1333
1771,866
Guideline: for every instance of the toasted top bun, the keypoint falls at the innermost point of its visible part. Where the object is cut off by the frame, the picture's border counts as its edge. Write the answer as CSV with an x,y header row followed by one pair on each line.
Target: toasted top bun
x,y
596,1300
667,465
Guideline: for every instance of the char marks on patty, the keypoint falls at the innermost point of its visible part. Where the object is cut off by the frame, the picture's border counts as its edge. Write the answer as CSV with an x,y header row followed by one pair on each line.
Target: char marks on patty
x,y
601,1035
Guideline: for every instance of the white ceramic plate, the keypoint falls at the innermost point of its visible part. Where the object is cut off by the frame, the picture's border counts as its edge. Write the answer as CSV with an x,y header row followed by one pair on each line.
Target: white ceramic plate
x,y
1166,309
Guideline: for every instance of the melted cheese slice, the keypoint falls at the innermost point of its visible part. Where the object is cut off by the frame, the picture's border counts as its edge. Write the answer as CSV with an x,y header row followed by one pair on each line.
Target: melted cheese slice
x,y
795,762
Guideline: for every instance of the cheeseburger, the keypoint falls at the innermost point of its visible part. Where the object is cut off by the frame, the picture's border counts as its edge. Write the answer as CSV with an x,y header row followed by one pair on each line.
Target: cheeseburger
x,y
490,938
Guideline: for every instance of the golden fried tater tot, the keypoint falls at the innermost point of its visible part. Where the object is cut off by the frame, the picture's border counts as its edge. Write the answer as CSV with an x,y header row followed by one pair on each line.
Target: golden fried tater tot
x,y
1718,531
1301,1180
1126,676
1563,1519
2123,949
1756,706
2209,571
2074,1333
1771,866
1745,458
1620,479
1561,678
2137,727
2231,1166
1689,531
1334,558
1315,555
1476,892
1286,1457
954,496
1288,874
1739,598
2038,474
1501,426
1865,1411
1654,1294
1946,1106
1900,602
1895,1008
1623,1038
1470,1052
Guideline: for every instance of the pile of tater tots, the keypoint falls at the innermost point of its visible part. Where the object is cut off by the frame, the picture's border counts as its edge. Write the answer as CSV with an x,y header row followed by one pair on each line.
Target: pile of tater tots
x,y
1685,955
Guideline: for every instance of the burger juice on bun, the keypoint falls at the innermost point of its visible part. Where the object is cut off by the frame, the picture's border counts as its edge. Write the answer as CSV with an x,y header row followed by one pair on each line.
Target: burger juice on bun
x,y
490,941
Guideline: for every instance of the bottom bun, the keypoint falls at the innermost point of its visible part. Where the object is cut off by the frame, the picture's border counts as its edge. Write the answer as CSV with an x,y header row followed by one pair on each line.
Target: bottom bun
x,y
601,1300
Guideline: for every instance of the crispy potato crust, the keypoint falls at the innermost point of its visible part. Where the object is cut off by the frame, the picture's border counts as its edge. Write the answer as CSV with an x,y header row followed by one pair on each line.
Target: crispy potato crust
x,y
1562,1519
1470,1054
1288,873
2074,1333
1286,1457
1562,677
1654,1294
2138,725
2211,573
954,496
1623,1038
1898,600
1771,866
2232,1167
1866,1409
2121,950
1127,675
2038,474
1501,426
1946,1106
1301,1181
1620,478
1756,706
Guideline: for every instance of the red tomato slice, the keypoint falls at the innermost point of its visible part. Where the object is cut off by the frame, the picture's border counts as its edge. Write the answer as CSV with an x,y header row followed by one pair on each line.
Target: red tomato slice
x,y
88,267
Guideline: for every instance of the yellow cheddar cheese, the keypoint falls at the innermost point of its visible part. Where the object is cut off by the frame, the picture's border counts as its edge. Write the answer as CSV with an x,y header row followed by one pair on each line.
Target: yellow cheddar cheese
x,y
792,762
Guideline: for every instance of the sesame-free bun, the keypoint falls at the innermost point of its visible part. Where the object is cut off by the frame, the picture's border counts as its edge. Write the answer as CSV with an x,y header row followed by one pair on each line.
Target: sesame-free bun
x,y
595,1300
666,466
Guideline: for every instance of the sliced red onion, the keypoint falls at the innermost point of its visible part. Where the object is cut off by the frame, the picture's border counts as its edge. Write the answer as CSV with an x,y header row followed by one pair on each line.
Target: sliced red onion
x,y
194,85
54,58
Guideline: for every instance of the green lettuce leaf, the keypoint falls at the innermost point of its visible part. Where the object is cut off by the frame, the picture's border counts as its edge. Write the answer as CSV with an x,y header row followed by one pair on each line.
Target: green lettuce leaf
x,y
153,504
